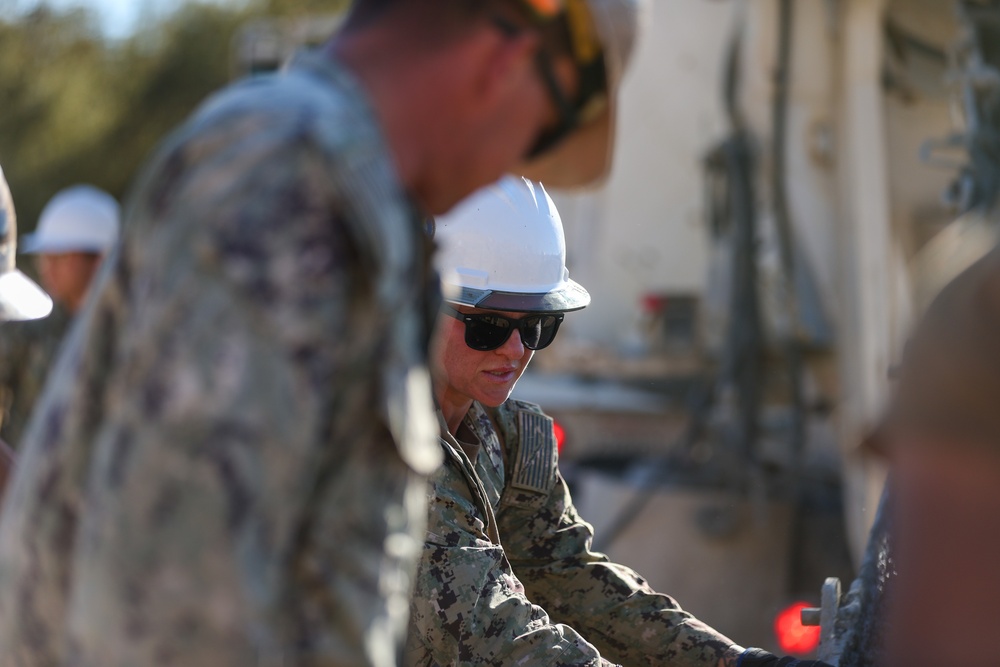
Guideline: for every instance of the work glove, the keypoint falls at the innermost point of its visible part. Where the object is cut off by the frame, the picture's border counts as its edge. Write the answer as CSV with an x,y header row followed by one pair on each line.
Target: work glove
x,y
755,657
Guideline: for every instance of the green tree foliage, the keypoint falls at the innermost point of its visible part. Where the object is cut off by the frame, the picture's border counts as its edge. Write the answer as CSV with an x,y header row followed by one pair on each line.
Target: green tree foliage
x,y
301,7
76,107
57,101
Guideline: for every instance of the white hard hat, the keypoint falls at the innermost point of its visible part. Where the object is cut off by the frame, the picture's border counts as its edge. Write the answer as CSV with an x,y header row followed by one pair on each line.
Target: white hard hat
x,y
78,219
20,297
503,248
584,157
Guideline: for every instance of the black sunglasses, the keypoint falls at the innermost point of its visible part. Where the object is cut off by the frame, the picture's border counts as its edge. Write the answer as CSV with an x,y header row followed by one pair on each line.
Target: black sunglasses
x,y
488,331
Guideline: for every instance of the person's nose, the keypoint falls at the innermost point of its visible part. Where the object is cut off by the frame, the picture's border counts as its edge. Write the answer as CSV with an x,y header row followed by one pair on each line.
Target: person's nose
x,y
513,348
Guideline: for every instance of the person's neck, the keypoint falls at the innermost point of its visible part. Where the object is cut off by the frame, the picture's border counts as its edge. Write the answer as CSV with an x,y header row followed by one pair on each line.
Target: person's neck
x,y
397,98
453,408
454,414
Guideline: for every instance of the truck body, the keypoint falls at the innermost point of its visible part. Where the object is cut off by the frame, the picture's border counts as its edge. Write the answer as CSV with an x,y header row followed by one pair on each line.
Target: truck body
x,y
842,108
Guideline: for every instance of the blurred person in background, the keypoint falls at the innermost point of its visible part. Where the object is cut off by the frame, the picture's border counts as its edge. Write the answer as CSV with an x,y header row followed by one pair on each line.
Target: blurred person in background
x,y
21,300
76,229
228,463
507,574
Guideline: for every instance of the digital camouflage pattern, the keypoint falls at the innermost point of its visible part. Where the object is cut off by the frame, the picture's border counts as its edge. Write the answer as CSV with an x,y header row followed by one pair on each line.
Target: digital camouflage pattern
x,y
27,351
227,466
502,534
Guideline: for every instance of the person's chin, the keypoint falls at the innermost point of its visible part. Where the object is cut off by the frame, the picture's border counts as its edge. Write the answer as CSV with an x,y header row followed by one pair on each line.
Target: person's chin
x,y
493,399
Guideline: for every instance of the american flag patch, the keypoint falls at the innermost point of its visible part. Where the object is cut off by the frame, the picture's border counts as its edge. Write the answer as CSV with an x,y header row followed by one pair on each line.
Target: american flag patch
x,y
535,465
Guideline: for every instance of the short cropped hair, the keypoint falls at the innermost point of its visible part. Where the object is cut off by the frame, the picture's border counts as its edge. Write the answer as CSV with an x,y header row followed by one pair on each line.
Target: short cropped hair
x,y
433,12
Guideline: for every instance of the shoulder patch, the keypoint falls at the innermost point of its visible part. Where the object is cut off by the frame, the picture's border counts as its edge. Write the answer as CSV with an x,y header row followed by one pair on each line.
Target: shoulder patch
x,y
535,466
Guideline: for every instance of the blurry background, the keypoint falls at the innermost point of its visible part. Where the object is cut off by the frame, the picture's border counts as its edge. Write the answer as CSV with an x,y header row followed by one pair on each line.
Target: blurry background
x,y
88,87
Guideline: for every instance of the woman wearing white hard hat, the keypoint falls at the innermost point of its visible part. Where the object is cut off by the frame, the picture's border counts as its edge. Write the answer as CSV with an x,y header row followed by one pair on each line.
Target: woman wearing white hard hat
x,y
501,257
506,575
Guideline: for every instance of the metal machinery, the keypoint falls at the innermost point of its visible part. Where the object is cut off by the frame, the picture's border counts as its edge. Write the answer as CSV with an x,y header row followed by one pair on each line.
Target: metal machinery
x,y
851,622
787,151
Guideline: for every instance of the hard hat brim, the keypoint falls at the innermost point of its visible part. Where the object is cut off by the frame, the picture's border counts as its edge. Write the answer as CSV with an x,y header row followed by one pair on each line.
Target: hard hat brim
x,y
567,297
21,298
36,244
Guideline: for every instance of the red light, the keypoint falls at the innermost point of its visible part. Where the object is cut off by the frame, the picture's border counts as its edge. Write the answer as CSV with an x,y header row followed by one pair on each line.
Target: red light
x,y
560,435
654,304
793,637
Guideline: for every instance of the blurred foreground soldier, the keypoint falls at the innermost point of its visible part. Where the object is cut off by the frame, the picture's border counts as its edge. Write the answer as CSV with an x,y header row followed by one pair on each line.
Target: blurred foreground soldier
x,y
75,230
507,575
21,299
228,464
943,434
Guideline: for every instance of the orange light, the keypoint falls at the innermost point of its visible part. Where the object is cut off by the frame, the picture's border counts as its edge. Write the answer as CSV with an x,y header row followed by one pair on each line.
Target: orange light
x,y
793,637
560,435
545,8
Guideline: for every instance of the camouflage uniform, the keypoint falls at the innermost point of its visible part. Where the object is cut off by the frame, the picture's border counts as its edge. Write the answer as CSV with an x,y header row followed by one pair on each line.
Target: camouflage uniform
x,y
27,350
228,464
503,534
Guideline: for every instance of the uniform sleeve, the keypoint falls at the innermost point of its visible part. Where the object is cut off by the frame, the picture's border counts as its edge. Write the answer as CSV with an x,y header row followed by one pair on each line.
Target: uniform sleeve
x,y
468,607
548,545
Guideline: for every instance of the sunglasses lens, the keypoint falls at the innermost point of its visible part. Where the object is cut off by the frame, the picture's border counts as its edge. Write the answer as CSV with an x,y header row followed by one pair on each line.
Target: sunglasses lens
x,y
487,332
538,332
530,330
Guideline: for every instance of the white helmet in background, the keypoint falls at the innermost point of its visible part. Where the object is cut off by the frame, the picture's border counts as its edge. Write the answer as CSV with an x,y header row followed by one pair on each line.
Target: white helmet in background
x,y
81,218
503,248
20,297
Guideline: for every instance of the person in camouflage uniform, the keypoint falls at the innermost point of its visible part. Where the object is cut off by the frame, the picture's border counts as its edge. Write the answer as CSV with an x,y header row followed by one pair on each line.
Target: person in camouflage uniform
x,y
228,462
507,575
76,228
21,300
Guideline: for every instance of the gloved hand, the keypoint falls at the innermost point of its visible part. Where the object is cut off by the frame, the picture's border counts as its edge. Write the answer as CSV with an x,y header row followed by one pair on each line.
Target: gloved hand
x,y
755,657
